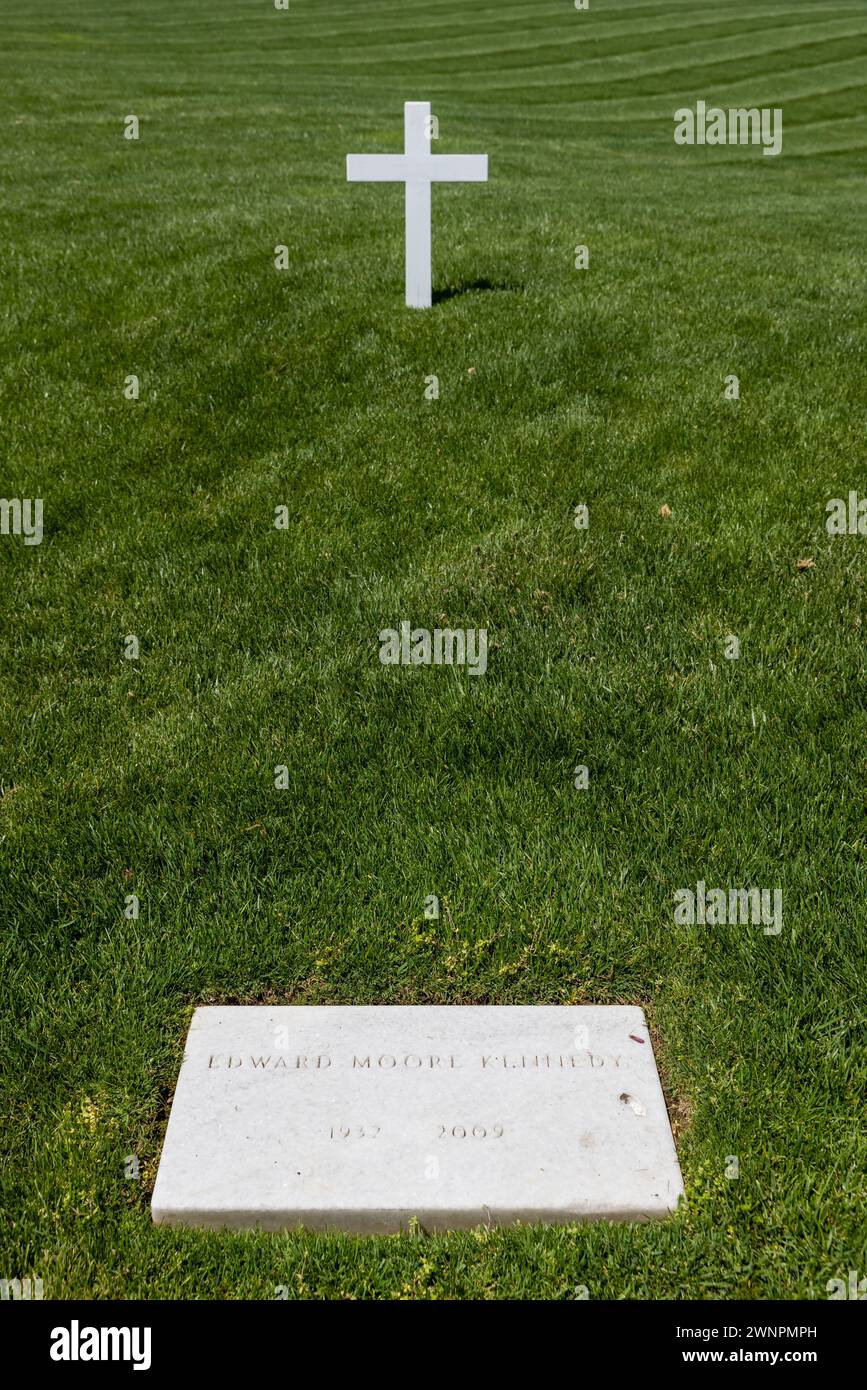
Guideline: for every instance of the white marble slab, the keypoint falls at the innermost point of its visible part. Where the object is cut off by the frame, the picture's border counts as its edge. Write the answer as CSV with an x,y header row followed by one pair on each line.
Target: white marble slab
x,y
361,1118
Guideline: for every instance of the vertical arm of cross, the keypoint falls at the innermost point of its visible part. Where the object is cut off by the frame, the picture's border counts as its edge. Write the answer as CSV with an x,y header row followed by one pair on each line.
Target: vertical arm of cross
x,y
417,131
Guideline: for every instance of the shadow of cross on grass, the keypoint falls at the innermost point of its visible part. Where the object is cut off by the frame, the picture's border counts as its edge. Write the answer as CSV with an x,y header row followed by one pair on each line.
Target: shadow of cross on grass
x,y
474,287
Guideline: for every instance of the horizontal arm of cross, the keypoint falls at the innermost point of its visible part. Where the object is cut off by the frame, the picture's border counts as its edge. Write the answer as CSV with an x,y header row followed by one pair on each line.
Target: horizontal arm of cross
x,y
401,168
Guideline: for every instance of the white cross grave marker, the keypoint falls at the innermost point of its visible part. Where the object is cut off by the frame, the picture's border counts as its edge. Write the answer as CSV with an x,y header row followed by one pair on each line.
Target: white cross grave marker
x,y
418,169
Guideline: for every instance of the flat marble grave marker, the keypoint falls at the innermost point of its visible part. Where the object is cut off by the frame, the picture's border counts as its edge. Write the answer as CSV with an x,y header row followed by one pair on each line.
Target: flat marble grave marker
x,y
360,1119
417,168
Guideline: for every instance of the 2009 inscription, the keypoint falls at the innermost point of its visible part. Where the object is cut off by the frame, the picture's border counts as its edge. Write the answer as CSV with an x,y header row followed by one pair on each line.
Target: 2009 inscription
x,y
477,1132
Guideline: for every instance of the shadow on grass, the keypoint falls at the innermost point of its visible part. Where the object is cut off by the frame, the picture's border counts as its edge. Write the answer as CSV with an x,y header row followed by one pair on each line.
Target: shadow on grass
x,y
474,287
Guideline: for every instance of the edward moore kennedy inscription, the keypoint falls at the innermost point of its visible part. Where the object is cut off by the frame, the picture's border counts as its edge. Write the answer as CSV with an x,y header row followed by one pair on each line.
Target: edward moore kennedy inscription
x,y
361,1118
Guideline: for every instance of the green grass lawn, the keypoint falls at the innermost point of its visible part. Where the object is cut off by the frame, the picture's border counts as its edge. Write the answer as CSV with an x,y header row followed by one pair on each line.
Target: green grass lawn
x,y
258,646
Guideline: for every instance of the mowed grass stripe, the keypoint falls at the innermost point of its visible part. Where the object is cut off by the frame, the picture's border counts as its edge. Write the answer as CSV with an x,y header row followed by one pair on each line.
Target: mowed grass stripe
x,y
439,27
739,91
463,27
325,24
728,40
742,66
758,67
736,48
